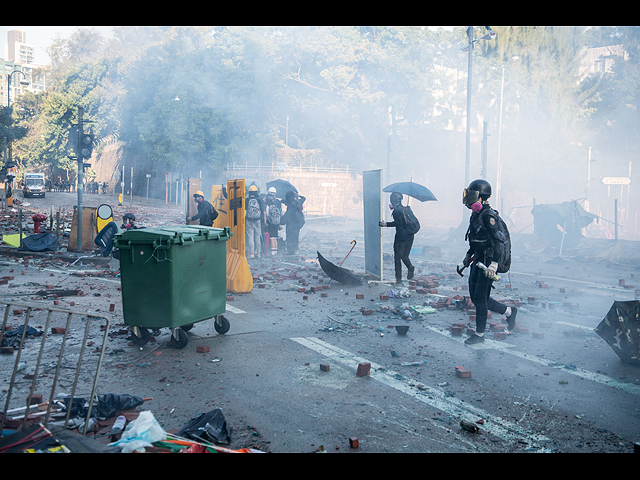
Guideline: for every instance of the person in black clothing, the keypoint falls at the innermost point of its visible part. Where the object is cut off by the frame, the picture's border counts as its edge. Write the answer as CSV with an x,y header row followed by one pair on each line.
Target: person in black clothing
x,y
206,213
293,219
403,240
483,234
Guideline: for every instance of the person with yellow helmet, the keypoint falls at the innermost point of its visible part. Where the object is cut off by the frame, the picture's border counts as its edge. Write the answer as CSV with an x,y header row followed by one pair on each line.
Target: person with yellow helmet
x,y
206,213
255,218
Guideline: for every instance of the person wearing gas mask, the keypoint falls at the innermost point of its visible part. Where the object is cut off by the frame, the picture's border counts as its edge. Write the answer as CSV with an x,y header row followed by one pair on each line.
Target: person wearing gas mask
x,y
403,240
206,213
483,235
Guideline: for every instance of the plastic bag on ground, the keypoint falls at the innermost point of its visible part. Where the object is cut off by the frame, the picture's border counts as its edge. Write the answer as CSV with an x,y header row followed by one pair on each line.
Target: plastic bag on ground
x,y
209,427
141,433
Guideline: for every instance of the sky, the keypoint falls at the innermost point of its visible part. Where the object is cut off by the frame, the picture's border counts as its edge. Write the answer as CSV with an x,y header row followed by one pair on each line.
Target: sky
x,y
42,37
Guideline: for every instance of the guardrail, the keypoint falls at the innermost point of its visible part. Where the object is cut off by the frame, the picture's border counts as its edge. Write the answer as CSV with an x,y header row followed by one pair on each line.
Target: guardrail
x,y
284,167
34,313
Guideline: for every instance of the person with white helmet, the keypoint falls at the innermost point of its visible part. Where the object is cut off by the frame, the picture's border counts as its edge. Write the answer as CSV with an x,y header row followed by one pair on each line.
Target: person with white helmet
x,y
206,213
273,213
255,217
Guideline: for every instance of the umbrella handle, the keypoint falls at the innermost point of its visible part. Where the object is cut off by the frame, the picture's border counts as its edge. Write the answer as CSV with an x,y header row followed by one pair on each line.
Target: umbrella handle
x,y
354,246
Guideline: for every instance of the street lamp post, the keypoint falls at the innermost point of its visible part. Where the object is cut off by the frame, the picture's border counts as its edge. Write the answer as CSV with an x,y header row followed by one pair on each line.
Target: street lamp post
x,y
499,166
489,35
23,82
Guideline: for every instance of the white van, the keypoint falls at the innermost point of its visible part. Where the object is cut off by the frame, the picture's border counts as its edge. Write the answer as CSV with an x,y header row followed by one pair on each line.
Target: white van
x,y
33,185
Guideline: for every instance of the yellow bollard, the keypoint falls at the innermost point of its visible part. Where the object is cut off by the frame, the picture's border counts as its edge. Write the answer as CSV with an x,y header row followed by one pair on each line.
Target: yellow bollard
x,y
239,278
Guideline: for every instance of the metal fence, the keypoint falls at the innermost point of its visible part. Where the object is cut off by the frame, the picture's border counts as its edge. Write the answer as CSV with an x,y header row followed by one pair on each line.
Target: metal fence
x,y
21,343
286,167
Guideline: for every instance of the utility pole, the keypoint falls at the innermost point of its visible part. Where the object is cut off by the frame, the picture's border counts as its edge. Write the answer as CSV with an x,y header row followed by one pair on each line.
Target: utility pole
x,y
484,150
80,175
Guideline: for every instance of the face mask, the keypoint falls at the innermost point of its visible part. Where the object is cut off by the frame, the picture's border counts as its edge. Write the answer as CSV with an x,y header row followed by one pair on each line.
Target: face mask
x,y
476,207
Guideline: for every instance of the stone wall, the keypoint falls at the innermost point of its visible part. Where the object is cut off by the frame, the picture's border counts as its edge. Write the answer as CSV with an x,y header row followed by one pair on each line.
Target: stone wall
x,y
343,200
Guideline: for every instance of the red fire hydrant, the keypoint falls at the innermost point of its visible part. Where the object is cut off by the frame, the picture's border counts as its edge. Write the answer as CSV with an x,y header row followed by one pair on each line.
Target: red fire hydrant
x,y
38,218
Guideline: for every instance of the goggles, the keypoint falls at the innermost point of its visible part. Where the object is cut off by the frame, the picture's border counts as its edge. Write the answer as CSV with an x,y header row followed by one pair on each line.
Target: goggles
x,y
469,197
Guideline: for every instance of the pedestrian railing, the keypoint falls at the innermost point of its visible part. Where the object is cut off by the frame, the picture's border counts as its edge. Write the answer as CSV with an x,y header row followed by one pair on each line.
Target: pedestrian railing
x,y
56,354
284,167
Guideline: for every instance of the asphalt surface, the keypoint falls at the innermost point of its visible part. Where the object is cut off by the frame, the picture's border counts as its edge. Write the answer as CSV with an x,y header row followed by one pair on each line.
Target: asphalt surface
x,y
285,375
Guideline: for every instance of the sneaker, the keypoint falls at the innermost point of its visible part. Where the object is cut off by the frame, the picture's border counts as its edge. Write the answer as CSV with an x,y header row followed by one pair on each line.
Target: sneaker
x,y
511,319
410,273
473,339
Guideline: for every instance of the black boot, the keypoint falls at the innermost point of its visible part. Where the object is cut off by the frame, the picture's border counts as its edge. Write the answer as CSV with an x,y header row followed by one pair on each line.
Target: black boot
x,y
410,272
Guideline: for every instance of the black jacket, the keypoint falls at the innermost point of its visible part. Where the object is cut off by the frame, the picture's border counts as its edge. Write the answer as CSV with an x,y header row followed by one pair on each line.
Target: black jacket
x,y
400,222
206,214
483,234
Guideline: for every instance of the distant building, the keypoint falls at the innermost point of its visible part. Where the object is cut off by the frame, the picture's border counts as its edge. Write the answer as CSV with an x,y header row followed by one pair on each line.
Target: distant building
x,y
19,56
600,59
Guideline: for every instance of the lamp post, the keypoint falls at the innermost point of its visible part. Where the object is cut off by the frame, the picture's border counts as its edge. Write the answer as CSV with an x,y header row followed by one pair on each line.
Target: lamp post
x,y
499,166
489,35
23,82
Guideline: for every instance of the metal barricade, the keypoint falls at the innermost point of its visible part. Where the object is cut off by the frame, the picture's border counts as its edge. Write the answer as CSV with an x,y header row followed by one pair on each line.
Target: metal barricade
x,y
31,309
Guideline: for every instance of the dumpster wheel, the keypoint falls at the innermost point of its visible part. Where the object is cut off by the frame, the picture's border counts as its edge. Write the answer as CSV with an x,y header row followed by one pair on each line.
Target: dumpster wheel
x,y
140,336
221,324
179,338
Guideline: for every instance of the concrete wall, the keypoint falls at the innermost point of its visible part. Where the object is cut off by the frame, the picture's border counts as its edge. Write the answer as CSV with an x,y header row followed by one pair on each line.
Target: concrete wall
x,y
343,200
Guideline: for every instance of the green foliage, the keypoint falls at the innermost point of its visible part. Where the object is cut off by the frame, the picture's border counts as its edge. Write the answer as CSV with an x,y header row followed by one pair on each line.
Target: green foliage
x,y
201,97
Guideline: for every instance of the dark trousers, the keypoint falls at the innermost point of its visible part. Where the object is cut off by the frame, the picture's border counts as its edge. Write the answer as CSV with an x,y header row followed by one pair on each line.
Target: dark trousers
x,y
401,250
293,234
480,293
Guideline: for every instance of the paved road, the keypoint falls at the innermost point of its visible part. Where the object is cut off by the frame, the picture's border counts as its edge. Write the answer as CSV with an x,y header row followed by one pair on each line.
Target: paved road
x,y
557,393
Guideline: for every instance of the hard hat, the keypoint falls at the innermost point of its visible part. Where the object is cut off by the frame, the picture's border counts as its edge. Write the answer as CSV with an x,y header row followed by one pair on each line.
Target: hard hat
x,y
477,189
395,198
253,188
199,192
272,190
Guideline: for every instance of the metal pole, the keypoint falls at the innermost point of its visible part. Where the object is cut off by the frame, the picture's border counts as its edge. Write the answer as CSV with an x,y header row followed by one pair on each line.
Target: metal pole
x,y
469,68
615,203
80,176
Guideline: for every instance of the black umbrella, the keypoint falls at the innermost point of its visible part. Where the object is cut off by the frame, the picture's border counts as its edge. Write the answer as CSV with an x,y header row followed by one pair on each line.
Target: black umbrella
x,y
338,274
282,187
619,329
415,190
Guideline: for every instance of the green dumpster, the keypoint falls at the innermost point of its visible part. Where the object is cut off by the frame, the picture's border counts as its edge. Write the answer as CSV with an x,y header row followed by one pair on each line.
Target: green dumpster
x,y
173,277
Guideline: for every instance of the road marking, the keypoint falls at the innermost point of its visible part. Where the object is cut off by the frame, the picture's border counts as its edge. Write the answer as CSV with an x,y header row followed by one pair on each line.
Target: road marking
x,y
234,309
579,372
433,396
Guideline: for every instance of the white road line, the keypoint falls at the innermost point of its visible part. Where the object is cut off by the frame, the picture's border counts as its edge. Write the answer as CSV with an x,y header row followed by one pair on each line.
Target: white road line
x,y
432,396
233,309
579,372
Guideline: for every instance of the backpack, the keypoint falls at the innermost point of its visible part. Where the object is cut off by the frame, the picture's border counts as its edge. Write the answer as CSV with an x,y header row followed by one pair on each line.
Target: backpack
x,y
503,248
413,225
253,209
273,213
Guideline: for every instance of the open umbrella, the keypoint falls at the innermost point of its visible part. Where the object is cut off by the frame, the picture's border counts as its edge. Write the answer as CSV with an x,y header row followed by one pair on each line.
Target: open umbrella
x,y
338,274
619,329
282,187
415,190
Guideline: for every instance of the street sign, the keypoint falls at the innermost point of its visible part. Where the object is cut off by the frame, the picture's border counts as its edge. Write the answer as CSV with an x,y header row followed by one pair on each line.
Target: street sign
x,y
616,180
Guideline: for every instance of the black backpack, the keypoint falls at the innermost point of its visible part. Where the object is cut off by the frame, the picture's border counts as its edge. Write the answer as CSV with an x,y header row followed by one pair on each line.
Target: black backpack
x,y
413,225
503,249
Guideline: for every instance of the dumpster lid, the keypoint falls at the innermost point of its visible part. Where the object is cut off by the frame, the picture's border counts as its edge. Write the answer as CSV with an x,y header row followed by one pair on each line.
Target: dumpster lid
x,y
176,233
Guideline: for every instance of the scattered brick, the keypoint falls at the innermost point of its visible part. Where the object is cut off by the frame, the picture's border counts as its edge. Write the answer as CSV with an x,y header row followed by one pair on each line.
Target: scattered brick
x,y
202,349
463,373
57,330
363,369
359,296
353,442
324,367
